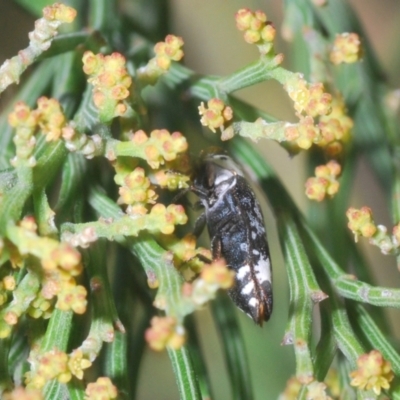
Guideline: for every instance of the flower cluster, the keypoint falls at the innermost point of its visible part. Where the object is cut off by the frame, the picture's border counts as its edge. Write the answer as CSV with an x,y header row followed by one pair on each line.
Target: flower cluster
x,y
7,285
77,362
21,393
361,222
165,52
330,133
163,219
218,274
111,83
334,129
40,41
315,390
292,389
170,50
213,277
373,372
186,255
89,146
59,13
102,389
346,49
174,174
48,117
171,179
309,99
60,263
161,146
51,119
165,331
24,120
303,134
56,364
40,307
257,29
322,120
216,116
72,297
325,181
136,191
8,282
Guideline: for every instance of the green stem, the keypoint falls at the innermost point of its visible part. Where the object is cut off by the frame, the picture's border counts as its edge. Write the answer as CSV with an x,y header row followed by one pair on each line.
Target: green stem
x,y
304,291
14,200
116,364
76,390
373,335
103,15
58,331
5,378
256,72
155,263
184,374
347,285
57,337
198,358
327,345
35,85
234,349
153,258
105,316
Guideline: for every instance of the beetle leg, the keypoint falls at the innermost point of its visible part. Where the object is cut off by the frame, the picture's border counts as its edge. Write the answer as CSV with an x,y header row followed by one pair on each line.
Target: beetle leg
x,y
216,247
199,225
180,195
200,257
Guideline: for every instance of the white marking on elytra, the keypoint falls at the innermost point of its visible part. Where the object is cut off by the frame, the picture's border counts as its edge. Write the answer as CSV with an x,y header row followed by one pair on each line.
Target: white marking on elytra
x,y
243,246
258,227
248,288
256,252
243,271
253,302
263,270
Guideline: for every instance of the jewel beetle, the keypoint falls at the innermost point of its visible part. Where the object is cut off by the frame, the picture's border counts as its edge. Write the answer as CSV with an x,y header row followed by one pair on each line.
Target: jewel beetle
x,y
236,228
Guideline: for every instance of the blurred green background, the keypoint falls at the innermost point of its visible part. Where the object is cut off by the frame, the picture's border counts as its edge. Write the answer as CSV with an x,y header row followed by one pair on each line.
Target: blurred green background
x,y
214,46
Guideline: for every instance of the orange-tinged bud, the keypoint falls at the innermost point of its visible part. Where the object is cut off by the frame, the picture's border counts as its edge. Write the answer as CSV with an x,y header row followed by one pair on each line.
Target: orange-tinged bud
x,y
216,115
256,27
346,48
140,137
102,389
59,12
243,19
361,222
268,33
373,372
